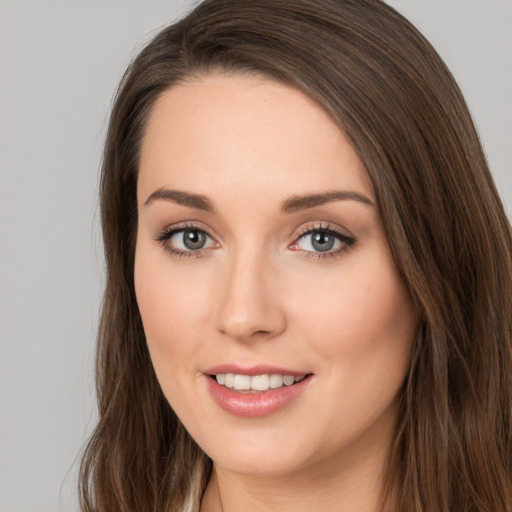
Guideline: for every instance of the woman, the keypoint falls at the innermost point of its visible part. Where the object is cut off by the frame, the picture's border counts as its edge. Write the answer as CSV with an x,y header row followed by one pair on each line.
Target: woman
x,y
308,273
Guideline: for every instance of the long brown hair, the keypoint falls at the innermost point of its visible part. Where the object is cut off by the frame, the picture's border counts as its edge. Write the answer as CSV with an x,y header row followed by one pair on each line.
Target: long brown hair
x,y
393,97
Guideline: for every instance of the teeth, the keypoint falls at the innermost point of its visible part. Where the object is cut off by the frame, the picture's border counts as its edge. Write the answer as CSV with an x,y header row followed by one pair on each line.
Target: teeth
x,y
229,380
276,381
256,382
260,382
242,382
288,380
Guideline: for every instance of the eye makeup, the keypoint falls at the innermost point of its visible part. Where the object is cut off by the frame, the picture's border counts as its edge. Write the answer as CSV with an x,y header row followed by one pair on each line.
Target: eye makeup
x,y
317,241
192,241
325,240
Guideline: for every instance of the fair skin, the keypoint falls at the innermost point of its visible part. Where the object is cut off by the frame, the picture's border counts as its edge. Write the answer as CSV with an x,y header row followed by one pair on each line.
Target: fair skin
x,y
236,278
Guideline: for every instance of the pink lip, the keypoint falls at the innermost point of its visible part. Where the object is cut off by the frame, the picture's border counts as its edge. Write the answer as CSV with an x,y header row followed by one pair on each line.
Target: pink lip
x,y
253,370
254,405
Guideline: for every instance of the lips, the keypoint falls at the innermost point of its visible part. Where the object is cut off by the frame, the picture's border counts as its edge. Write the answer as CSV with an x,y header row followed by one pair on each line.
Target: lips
x,y
257,391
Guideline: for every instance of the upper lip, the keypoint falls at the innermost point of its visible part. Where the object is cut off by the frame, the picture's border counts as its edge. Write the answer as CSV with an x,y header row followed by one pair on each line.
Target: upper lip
x,y
259,369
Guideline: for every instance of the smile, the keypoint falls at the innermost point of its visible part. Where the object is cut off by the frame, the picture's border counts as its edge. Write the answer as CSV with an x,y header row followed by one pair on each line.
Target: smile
x,y
240,382
255,392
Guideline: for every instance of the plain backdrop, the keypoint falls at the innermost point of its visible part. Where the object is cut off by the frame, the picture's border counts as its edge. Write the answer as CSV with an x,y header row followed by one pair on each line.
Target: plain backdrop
x,y
60,62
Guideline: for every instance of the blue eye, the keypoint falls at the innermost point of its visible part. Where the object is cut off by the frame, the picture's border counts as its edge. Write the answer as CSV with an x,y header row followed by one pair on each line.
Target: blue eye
x,y
323,241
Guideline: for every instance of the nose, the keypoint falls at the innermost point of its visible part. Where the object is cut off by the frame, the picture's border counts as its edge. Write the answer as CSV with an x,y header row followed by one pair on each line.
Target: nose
x,y
251,305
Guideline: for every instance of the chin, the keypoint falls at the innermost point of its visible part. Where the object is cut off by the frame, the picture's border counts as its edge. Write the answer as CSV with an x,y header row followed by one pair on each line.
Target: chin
x,y
261,452
273,463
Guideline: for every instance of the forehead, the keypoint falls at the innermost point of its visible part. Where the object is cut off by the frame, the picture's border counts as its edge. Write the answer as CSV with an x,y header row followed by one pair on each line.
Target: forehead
x,y
226,133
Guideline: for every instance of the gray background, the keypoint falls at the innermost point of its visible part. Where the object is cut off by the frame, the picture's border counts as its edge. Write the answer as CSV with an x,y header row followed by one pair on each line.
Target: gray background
x,y
59,64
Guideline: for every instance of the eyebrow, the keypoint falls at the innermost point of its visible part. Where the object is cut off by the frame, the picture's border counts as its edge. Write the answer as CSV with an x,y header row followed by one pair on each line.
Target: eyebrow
x,y
298,203
291,205
197,201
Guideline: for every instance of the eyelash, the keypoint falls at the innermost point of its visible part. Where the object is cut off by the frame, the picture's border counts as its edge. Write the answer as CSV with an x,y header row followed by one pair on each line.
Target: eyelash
x,y
347,241
164,236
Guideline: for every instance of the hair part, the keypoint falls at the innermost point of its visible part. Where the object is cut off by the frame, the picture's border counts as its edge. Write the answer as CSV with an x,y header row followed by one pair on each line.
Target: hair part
x,y
390,93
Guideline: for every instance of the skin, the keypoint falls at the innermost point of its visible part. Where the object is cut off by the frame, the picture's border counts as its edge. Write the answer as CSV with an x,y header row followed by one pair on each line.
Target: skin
x,y
260,293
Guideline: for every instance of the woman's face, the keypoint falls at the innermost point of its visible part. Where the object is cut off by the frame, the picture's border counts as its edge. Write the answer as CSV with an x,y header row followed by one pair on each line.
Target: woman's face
x,y
261,261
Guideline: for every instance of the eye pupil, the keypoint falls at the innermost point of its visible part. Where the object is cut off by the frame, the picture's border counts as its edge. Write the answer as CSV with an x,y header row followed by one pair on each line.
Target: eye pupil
x,y
194,239
322,241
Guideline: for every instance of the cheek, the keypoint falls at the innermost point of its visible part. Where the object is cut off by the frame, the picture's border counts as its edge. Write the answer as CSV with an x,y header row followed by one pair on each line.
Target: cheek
x,y
361,326
172,308
361,317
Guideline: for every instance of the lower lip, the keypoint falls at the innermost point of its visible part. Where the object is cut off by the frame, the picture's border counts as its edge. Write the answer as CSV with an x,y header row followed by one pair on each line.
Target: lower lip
x,y
255,405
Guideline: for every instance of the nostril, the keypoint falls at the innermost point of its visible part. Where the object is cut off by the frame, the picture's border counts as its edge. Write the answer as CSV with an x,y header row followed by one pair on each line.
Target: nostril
x,y
260,333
